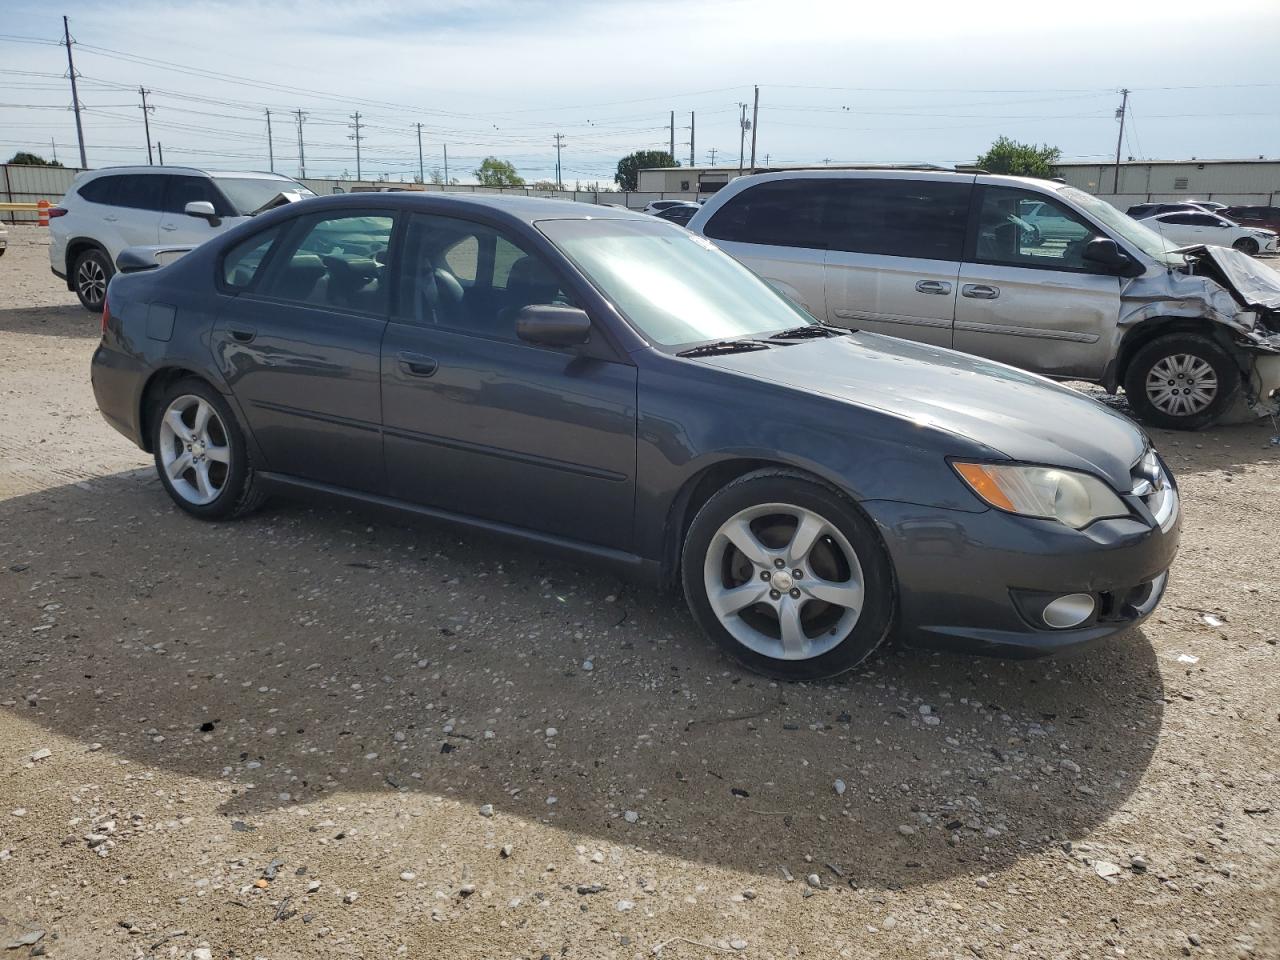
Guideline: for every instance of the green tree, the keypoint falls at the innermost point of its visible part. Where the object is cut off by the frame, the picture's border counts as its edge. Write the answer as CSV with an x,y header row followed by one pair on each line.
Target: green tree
x,y
493,172
33,160
1020,159
629,167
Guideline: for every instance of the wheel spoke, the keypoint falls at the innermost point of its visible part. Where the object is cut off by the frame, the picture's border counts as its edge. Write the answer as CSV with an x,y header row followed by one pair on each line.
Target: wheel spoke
x,y
809,528
202,480
203,410
179,466
740,535
794,642
848,595
729,600
174,419
219,454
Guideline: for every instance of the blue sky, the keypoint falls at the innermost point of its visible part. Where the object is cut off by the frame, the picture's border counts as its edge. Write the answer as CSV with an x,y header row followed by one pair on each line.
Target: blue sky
x,y
928,81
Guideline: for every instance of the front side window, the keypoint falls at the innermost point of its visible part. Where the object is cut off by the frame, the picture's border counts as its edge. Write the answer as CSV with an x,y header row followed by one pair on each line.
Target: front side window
x,y
1019,228
470,278
784,213
337,262
675,288
925,219
184,190
243,262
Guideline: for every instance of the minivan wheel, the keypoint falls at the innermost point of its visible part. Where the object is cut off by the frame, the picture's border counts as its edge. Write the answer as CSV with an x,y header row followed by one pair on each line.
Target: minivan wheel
x,y
1182,381
200,453
91,274
787,576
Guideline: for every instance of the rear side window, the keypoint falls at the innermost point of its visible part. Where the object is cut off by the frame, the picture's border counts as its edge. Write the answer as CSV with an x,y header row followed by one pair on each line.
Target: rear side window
x,y
336,262
142,191
243,262
785,213
925,219
183,190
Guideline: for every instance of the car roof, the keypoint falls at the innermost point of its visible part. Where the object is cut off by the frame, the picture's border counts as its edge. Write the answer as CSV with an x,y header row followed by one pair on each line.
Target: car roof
x,y
520,207
196,171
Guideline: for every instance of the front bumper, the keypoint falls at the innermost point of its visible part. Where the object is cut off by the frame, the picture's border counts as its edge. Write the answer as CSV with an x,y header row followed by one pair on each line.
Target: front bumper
x,y
973,582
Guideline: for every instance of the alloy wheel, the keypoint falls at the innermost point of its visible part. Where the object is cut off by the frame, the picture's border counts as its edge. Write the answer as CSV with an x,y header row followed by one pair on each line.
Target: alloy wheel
x,y
1182,384
194,449
91,280
784,581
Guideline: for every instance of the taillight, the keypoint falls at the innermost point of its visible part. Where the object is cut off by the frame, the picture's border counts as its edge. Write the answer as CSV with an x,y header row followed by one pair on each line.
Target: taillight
x,y
106,312
57,211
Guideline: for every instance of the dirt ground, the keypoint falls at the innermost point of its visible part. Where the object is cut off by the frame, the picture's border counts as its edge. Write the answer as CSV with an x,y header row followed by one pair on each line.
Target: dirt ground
x,y
325,733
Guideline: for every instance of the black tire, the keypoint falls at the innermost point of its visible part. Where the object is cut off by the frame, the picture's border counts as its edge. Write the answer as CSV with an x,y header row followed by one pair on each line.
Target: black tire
x,y
1175,345
1247,245
239,492
792,488
90,275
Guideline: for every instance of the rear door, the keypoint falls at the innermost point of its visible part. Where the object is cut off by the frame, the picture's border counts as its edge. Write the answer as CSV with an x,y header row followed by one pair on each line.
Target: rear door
x,y
894,257
298,335
1031,301
134,212
777,229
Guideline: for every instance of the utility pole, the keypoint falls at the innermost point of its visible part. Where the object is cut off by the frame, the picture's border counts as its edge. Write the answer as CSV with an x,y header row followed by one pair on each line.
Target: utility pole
x,y
559,141
422,177
271,150
446,163
146,121
54,145
755,114
673,139
1120,112
712,151
75,95
742,135
356,137
691,154
302,155
160,150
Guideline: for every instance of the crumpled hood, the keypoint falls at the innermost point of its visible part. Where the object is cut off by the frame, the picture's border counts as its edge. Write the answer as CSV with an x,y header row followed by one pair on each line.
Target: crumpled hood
x,y
1017,414
1256,283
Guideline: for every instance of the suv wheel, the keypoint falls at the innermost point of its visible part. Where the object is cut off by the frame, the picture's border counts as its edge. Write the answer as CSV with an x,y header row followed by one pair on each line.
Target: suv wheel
x,y
787,576
1247,245
1182,381
90,275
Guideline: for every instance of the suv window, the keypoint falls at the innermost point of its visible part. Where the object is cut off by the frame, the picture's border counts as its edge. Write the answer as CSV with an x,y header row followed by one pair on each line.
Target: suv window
x,y
99,190
899,218
785,213
242,263
140,191
1003,233
183,190
336,262
499,278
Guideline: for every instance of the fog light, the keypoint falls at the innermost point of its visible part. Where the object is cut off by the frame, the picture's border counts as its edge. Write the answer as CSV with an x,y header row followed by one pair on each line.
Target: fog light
x,y
1069,611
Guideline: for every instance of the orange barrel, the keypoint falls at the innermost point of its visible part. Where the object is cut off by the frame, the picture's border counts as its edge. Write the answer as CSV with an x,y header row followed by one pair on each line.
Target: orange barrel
x,y
44,206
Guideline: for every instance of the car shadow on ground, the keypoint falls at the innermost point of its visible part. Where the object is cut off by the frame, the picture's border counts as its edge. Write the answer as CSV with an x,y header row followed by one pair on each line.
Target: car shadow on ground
x,y
310,651
65,321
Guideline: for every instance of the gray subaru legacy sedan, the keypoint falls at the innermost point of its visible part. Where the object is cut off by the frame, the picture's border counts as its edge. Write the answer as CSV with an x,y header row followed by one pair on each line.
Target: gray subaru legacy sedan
x,y
610,386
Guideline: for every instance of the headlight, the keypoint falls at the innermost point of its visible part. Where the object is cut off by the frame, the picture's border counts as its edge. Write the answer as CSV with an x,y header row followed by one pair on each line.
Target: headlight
x,y
1076,499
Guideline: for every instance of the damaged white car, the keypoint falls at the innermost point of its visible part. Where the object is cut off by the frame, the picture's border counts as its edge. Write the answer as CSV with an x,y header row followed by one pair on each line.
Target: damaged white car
x,y
966,261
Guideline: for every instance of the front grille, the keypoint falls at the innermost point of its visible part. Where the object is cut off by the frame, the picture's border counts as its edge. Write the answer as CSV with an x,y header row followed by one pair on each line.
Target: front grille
x,y
1154,487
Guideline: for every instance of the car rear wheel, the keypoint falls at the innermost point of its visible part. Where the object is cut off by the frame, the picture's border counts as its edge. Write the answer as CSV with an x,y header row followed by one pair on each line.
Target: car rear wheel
x,y
200,453
90,275
788,577
1247,245
1183,381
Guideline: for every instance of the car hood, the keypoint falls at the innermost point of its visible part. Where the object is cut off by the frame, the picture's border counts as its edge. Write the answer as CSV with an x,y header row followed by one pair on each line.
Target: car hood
x,y
1011,412
1256,283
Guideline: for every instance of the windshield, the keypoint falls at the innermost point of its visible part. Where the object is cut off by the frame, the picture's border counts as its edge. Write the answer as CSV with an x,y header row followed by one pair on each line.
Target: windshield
x,y
1125,227
248,195
674,287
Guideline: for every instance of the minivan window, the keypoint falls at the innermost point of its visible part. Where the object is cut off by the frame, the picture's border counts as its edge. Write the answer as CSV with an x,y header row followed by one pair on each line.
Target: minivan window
x,y
925,219
783,213
1020,228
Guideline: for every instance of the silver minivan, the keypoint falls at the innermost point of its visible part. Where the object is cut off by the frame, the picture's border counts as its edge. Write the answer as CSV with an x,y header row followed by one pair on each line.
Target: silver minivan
x,y
1033,273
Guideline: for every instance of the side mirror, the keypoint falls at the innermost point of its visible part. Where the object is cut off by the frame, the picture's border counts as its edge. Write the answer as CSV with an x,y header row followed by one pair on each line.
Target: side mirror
x,y
204,210
132,260
553,325
1105,253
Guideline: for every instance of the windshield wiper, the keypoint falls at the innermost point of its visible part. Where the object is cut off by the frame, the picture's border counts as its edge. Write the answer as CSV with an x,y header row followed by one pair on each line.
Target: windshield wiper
x,y
809,330
723,346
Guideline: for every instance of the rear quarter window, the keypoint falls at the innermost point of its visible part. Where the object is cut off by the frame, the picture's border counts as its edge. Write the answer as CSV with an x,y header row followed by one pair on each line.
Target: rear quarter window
x,y
99,190
784,213
242,264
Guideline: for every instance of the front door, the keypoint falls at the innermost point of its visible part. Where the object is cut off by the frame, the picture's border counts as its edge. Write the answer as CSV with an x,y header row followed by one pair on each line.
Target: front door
x,y
1031,301
894,257
480,423
175,225
298,337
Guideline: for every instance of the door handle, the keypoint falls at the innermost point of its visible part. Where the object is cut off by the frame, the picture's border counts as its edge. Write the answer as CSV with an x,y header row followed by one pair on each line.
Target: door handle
x,y
168,226
933,286
110,219
240,333
979,291
416,365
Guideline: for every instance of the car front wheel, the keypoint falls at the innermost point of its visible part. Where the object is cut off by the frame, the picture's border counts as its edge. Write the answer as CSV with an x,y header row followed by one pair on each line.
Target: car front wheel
x,y
1247,245
91,274
1182,381
787,576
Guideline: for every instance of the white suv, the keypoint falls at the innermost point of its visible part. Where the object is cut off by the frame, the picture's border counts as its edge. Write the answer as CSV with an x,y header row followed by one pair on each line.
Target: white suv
x,y
1032,273
107,210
